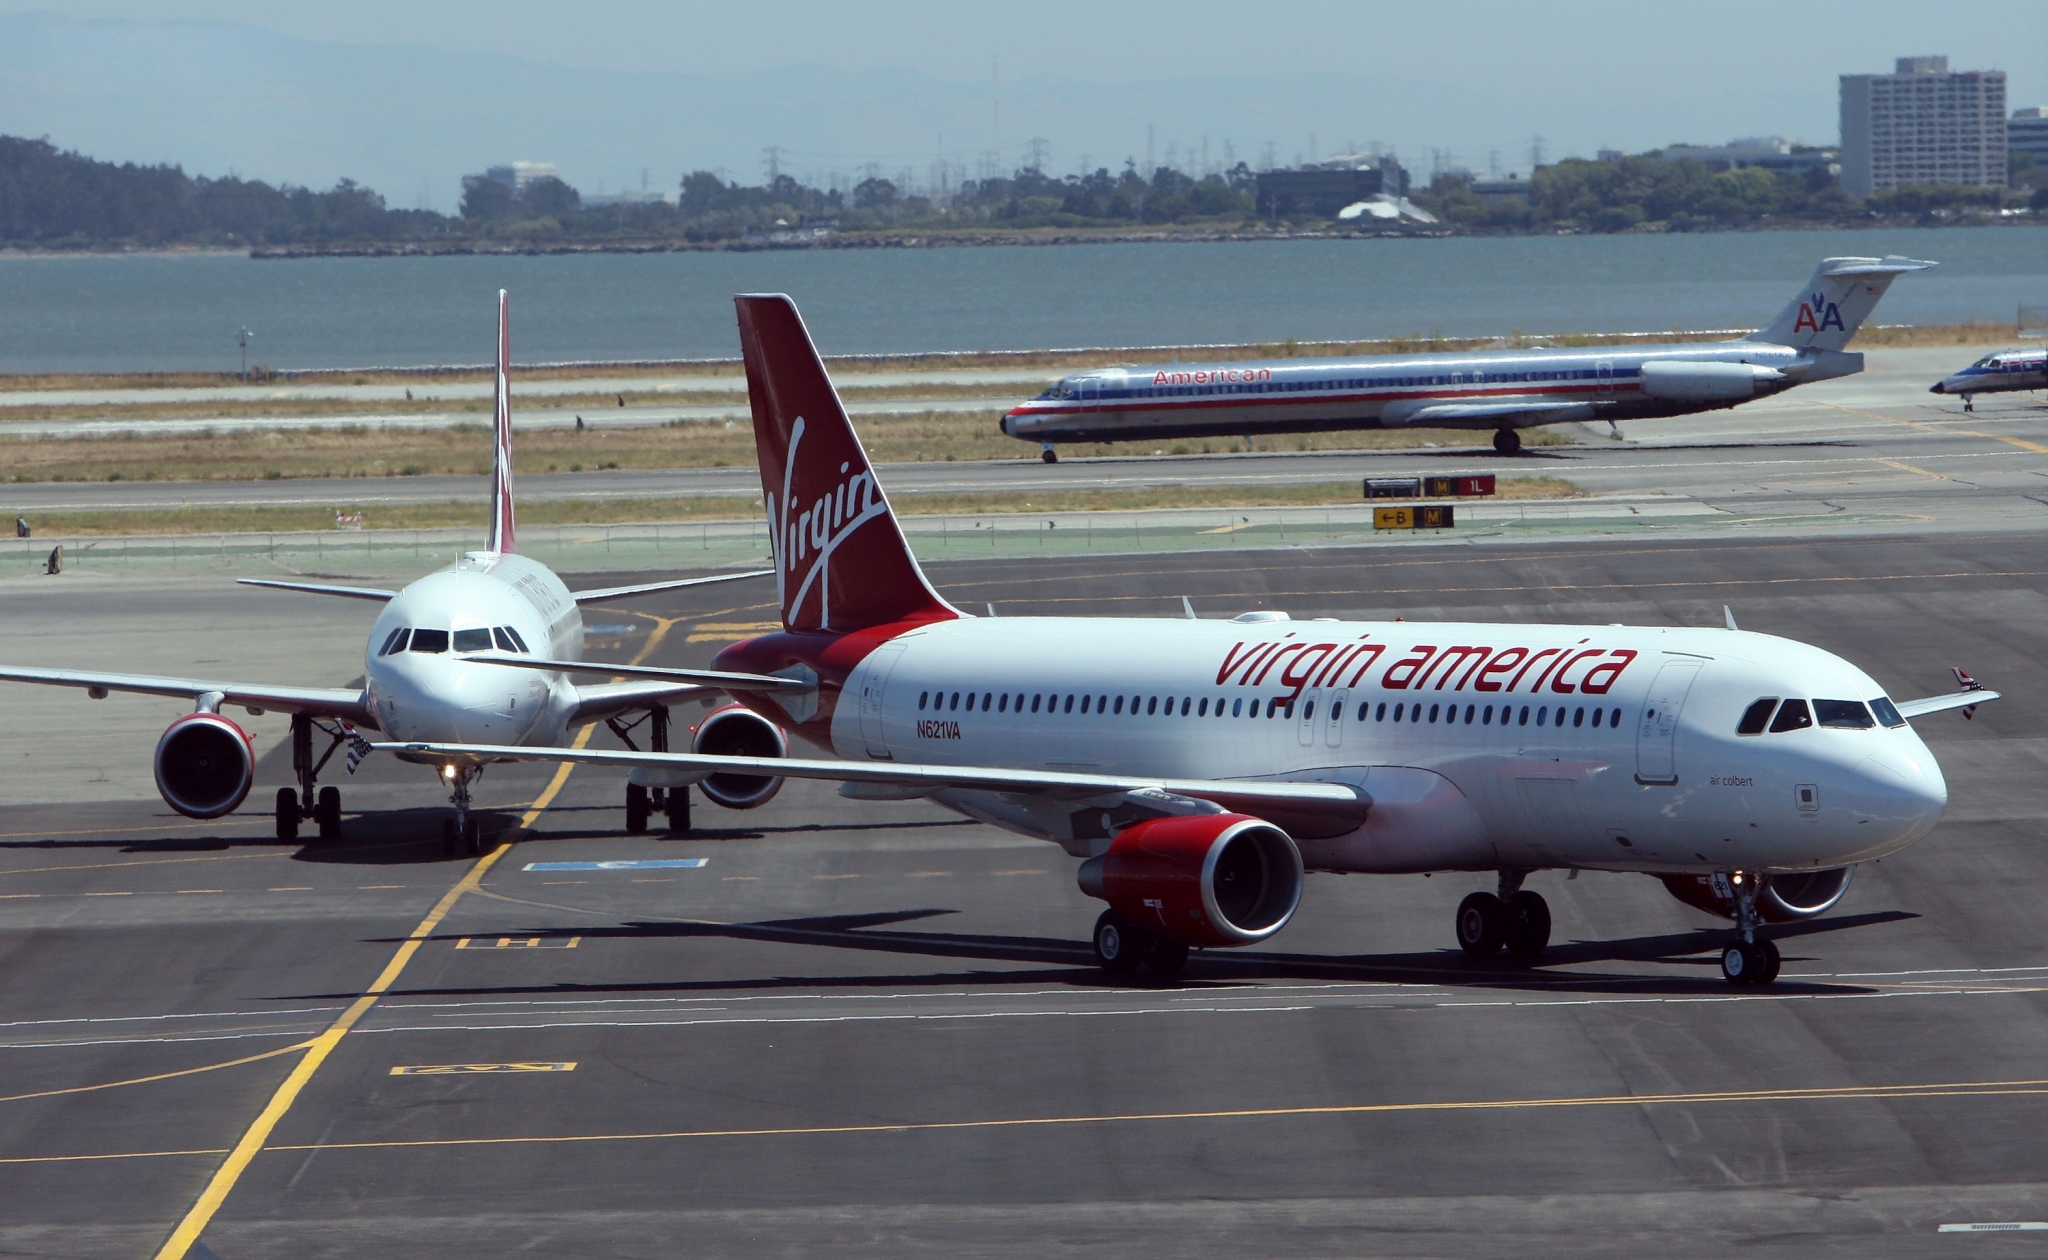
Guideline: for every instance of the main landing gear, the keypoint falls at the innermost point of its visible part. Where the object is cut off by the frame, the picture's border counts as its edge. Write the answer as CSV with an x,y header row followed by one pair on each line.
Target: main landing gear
x,y
1506,441
1513,918
1122,948
642,802
461,834
296,805
1749,960
1047,453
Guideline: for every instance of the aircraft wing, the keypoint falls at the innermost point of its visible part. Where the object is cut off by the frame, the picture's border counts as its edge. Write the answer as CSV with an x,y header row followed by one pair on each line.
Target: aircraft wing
x,y
341,702
318,588
648,588
1942,704
1487,414
703,679
602,700
1329,801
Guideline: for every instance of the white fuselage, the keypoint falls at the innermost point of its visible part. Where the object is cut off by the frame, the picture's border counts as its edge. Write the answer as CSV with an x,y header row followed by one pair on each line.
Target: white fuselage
x,y
420,689
1481,745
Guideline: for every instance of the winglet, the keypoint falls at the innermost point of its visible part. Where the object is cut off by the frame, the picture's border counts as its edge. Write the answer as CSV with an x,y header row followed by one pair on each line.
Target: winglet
x,y
501,538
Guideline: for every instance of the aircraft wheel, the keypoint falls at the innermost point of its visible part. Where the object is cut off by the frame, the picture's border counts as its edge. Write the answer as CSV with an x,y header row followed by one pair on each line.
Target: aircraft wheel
x,y
1750,964
1481,920
679,811
1506,441
327,812
636,810
287,814
1049,455
1164,957
1118,946
1527,927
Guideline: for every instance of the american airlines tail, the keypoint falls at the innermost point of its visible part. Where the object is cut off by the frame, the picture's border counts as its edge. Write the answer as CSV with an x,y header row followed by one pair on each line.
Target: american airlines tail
x,y
819,489
501,539
1835,302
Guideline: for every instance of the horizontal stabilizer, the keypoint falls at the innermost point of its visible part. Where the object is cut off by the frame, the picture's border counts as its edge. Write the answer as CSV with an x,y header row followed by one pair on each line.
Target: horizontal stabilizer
x,y
709,678
649,588
316,588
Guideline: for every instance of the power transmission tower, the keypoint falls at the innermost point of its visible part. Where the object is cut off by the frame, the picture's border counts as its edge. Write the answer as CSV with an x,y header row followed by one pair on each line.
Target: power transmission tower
x,y
1535,152
774,154
1038,147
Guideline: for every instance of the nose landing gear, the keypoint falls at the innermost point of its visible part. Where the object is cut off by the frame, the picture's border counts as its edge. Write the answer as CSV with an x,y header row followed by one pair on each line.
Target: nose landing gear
x,y
1506,441
1749,960
460,834
1047,453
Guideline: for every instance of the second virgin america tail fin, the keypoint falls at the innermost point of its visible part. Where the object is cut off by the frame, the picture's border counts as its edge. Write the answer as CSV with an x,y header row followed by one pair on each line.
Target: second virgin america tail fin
x,y
500,538
841,561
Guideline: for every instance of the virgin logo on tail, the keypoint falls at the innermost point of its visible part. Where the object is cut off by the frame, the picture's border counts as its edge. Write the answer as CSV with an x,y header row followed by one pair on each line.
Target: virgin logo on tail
x,y
806,537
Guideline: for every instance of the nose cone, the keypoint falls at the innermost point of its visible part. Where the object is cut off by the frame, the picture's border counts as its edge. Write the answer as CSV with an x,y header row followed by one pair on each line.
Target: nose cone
x,y
1901,793
441,700
1939,387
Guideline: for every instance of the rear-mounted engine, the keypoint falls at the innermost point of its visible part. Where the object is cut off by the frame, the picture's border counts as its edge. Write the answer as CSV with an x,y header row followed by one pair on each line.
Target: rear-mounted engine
x,y
736,731
1784,898
1208,879
204,765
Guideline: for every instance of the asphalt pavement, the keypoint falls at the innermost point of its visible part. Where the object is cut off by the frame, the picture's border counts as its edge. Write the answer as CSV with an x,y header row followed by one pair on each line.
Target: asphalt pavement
x,y
875,1029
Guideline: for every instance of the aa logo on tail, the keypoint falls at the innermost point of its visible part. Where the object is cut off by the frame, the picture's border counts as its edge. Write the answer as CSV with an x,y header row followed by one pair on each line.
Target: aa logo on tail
x,y
1817,314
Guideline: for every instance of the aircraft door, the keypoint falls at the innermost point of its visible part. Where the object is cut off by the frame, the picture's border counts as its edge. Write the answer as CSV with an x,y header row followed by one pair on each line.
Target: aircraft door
x,y
1091,392
1333,728
874,679
1307,710
1603,372
1657,732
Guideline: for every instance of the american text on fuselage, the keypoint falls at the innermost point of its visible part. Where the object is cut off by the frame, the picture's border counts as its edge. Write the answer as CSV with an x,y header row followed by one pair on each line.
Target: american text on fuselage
x,y
1483,747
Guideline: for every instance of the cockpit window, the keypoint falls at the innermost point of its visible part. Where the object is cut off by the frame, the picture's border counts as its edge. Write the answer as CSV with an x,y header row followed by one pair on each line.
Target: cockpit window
x,y
1792,716
1887,712
1845,714
505,641
518,643
476,640
430,640
396,643
1756,717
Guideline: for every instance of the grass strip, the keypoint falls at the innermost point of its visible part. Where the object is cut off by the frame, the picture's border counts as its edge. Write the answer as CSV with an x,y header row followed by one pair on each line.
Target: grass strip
x,y
344,450
281,520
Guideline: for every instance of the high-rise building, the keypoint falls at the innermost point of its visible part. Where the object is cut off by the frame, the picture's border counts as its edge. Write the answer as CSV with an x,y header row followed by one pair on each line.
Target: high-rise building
x,y
2027,131
1923,124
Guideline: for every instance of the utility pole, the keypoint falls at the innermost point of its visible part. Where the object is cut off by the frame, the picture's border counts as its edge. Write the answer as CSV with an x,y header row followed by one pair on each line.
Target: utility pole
x,y
242,340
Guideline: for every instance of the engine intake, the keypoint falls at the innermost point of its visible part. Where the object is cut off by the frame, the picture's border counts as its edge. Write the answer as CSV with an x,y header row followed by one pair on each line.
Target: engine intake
x,y
1207,879
737,731
204,765
1784,898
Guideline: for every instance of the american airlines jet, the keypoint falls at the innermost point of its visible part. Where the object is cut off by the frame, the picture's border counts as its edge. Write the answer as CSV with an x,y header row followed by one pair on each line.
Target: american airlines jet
x,y
417,683
1502,390
1196,769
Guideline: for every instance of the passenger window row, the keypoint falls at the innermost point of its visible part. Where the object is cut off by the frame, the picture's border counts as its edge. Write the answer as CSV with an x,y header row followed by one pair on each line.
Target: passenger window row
x,y
1189,706
1795,715
476,639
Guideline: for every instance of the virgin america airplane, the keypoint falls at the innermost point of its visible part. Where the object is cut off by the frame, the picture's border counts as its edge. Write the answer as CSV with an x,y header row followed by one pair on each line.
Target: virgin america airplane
x,y
1502,390
1196,769
417,684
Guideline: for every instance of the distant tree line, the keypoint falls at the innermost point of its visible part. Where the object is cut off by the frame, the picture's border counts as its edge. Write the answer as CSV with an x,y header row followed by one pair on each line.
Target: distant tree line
x,y
1632,192
56,199
49,197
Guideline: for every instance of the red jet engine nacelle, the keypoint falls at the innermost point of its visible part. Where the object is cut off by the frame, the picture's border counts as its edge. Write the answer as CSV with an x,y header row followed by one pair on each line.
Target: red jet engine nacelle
x,y
1205,880
204,765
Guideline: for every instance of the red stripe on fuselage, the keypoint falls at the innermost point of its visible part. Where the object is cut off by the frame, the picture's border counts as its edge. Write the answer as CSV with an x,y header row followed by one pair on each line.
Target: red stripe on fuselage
x,y
1296,400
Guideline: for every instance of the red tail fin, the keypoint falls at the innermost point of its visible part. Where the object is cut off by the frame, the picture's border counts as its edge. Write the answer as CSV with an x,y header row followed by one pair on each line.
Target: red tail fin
x,y
500,539
840,560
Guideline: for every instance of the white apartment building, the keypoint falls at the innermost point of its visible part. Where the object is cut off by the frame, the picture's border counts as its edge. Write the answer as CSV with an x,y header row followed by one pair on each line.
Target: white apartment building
x,y
1923,124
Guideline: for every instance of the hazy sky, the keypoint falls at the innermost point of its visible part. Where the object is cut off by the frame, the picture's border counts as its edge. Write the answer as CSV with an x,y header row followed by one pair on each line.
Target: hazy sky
x,y
1474,79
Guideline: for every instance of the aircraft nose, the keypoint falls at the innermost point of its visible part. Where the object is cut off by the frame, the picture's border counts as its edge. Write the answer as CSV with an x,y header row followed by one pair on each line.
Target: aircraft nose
x,y
1905,792
1939,387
